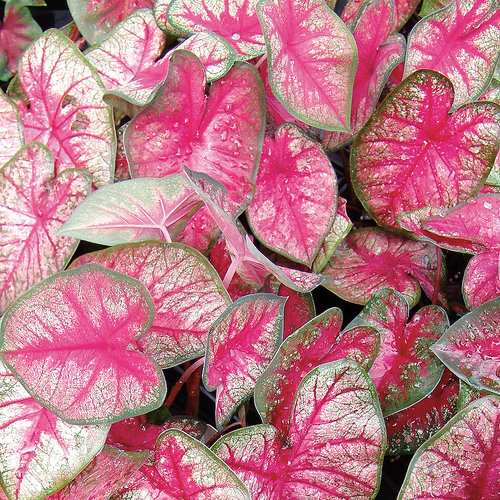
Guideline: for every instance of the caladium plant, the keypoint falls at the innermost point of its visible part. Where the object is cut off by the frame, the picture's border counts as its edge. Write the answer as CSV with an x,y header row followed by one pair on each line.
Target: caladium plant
x,y
201,152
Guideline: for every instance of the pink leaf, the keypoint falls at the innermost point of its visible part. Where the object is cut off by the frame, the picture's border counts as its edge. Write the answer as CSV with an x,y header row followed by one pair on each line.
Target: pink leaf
x,y
187,293
241,343
185,468
471,348
39,452
107,473
17,31
334,446
134,210
11,129
403,9
340,229
461,42
371,259
66,112
235,21
95,18
481,281
71,340
299,309
220,136
407,157
460,461
33,206
318,341
295,197
405,370
409,428
160,8
312,61
127,56
378,54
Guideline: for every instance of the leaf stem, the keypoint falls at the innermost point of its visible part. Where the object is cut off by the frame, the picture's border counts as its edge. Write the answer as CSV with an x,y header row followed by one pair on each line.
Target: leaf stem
x,y
231,270
185,376
437,281
214,438
261,60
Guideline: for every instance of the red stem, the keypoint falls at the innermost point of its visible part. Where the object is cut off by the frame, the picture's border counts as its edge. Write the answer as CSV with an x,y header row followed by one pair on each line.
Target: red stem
x,y
185,376
437,281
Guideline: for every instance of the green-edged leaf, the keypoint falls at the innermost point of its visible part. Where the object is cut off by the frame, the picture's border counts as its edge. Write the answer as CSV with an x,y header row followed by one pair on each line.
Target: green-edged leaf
x,y
66,112
186,290
241,343
430,6
312,60
461,460
39,452
334,446
471,347
318,341
34,203
370,259
71,341
134,210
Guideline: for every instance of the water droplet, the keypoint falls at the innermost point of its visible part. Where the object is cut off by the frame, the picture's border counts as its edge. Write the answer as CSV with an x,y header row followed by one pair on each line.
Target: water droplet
x,y
235,36
487,205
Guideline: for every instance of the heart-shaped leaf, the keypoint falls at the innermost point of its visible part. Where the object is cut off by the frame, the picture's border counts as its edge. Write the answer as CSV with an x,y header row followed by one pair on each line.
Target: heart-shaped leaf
x,y
312,61
334,446
461,42
340,229
241,343
404,157
185,468
134,210
370,259
107,473
481,281
471,348
220,136
409,428
11,129
187,293
295,197
378,54
405,370
299,309
128,53
39,453
95,18
66,111
318,341
216,55
33,206
71,340
460,461
17,31
235,21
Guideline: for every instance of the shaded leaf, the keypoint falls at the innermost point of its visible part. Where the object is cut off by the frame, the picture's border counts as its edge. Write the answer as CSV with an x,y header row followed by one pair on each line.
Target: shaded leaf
x,y
134,210
312,60
34,203
407,157
187,293
471,348
460,461
334,447
39,453
370,259
460,41
71,340
11,129
430,6
318,341
66,112
220,136
405,370
403,9
108,472
409,428
17,31
235,21
95,18
481,281
295,196
241,343
299,309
